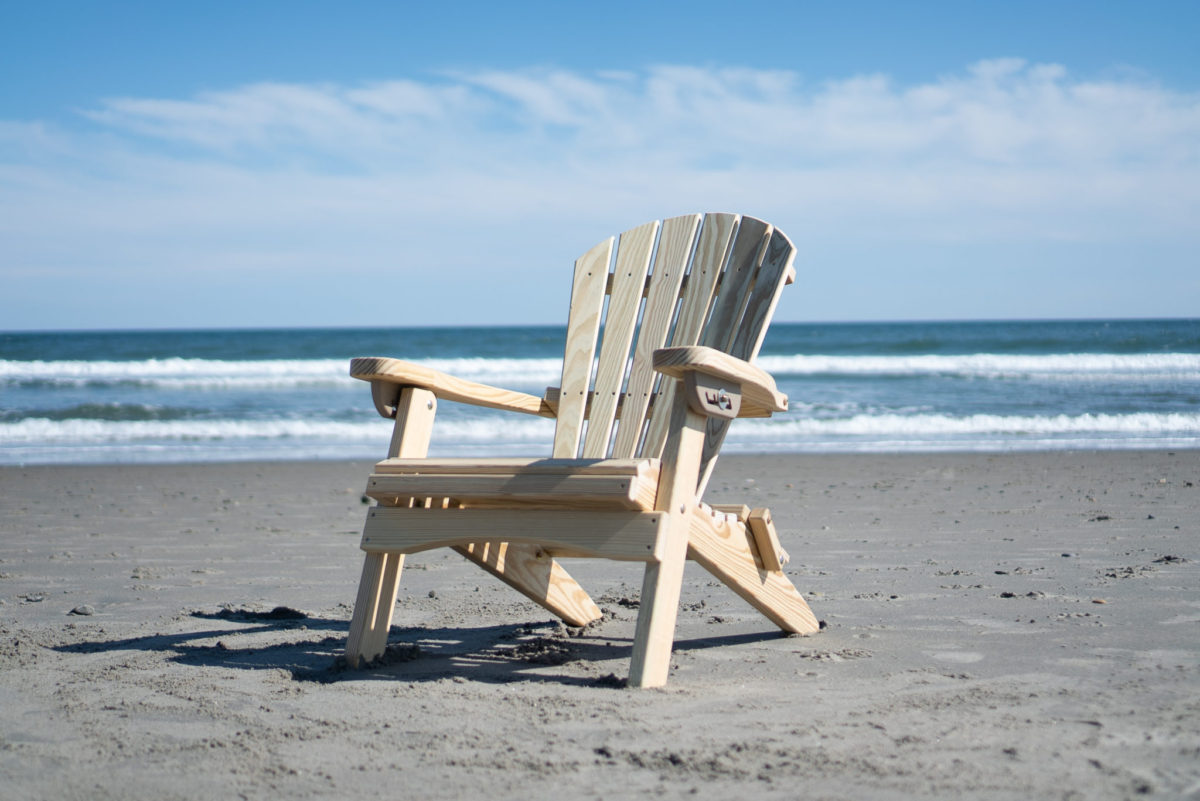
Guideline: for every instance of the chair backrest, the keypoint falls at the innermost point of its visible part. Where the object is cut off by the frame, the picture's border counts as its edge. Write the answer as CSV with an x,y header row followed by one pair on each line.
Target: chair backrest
x,y
710,279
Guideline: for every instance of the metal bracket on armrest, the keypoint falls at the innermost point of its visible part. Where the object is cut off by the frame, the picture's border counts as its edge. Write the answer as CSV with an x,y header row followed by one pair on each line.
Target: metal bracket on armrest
x,y
712,396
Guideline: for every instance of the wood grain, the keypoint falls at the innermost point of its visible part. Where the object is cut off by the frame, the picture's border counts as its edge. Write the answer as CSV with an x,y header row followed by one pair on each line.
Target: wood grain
x,y
662,298
578,491
631,536
758,387
583,326
736,281
713,289
445,386
726,550
705,270
532,572
629,279
655,633
415,410
503,465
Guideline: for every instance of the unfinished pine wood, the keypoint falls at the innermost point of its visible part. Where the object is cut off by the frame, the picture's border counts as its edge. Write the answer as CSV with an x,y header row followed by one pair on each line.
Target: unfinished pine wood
x,y
583,326
551,400
764,296
364,640
713,288
770,553
774,272
736,282
523,489
445,386
531,571
385,395
758,387
757,295
650,662
629,279
662,298
707,264
415,410
726,550
739,510
645,469
631,536
708,268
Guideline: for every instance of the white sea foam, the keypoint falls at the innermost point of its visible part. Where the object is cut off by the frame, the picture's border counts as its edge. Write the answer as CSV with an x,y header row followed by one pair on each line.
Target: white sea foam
x,y
178,373
1093,365
44,431
938,425
782,431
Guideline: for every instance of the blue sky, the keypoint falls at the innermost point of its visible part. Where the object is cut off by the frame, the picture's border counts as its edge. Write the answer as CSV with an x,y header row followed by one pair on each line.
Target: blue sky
x,y
276,164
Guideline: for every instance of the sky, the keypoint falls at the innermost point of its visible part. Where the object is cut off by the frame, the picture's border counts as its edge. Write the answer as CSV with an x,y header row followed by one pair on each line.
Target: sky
x,y
277,164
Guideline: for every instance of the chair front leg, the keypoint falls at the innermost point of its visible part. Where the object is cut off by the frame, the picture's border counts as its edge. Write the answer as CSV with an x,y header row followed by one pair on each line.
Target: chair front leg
x,y
380,580
373,608
663,580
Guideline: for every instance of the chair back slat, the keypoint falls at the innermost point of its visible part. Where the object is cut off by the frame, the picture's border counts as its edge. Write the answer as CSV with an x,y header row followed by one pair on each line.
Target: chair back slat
x,y
736,282
712,252
715,281
759,306
583,326
628,285
675,245
707,265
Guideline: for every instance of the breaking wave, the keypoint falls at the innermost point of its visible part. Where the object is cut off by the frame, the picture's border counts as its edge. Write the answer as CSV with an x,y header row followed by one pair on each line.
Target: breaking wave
x,y
179,373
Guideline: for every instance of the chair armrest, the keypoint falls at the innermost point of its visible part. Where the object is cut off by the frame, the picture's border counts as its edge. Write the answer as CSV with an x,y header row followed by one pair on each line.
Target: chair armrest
x,y
759,396
383,372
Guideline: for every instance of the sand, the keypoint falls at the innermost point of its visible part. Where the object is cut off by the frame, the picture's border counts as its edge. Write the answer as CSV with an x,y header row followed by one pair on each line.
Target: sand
x,y
1014,626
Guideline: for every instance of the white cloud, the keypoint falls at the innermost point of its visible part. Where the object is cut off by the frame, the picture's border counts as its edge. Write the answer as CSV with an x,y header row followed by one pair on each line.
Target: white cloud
x,y
381,176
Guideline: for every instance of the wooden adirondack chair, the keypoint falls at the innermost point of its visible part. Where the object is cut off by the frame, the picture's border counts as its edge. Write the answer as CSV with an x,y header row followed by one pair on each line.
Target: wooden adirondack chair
x,y
634,494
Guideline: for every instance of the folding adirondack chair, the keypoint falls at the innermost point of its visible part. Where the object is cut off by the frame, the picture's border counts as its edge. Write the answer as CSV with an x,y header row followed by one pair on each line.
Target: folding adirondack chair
x,y
639,425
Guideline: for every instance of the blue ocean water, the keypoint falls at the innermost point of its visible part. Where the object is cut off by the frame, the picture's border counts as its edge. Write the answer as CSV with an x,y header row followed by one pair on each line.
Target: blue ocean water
x,y
168,396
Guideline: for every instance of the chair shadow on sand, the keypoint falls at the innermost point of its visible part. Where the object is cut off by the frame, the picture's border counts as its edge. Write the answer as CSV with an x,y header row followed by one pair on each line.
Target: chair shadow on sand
x,y
497,654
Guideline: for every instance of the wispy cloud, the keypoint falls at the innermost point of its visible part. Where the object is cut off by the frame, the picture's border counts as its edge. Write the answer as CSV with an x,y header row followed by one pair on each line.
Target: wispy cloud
x,y
1002,111
378,176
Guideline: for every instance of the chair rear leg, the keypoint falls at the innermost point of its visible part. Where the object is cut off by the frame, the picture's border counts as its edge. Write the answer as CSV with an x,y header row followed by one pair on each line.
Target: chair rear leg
x,y
732,553
374,607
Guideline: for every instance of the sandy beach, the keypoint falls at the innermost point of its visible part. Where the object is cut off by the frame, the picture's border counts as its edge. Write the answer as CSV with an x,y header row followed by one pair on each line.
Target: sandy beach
x,y
1010,626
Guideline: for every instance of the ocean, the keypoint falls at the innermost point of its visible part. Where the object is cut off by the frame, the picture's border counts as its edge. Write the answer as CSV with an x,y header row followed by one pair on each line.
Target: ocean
x,y
216,395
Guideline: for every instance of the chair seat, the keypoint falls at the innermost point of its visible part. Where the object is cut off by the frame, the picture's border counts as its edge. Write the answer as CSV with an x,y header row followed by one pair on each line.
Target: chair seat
x,y
516,483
